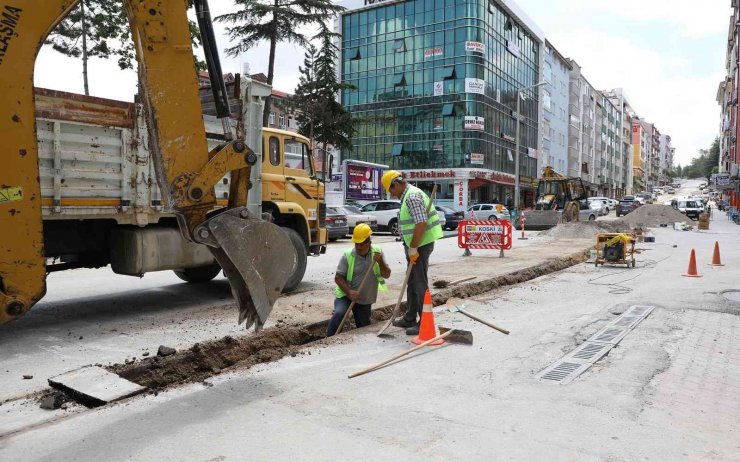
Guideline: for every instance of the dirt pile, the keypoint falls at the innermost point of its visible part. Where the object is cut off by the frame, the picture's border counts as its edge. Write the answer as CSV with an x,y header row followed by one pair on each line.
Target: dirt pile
x,y
583,229
652,215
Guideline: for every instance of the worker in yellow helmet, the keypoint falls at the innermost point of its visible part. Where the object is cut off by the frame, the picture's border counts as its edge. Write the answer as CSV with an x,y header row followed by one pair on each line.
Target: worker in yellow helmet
x,y
419,230
353,265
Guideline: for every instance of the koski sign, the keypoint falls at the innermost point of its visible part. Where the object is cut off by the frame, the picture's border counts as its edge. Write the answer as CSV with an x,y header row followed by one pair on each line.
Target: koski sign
x,y
475,86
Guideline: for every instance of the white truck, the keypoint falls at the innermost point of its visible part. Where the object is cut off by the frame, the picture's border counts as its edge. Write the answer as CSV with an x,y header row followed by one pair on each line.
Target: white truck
x,y
101,203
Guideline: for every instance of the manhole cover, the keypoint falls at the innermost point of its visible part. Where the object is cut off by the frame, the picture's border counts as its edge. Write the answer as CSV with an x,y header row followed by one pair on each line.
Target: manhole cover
x,y
732,295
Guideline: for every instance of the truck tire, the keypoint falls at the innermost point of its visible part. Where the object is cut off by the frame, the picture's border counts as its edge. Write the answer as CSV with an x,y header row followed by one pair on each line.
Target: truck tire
x,y
301,258
199,274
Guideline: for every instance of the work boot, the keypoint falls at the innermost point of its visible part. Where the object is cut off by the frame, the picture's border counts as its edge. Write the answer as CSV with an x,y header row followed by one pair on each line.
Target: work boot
x,y
413,330
403,322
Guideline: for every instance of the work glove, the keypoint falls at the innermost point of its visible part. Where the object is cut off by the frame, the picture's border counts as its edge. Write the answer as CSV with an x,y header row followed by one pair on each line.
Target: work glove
x,y
413,254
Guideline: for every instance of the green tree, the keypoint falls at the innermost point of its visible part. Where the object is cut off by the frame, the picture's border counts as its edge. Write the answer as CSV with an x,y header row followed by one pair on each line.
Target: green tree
x,y
274,21
320,116
100,29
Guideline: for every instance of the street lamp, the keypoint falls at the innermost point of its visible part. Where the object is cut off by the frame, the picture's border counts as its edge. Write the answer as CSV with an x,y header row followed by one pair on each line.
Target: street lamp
x,y
516,153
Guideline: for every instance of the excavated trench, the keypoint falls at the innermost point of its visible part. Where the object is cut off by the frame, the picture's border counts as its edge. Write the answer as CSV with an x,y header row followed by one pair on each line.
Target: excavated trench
x,y
204,360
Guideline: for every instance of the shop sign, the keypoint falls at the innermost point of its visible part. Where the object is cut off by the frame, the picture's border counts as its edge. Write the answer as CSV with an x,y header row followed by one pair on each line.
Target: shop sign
x,y
439,88
475,86
461,191
513,48
722,179
503,178
438,124
477,158
433,52
475,47
473,123
532,152
508,137
424,174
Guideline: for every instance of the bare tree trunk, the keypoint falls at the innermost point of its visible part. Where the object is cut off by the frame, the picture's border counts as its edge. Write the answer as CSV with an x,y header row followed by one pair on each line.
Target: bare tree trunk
x,y
84,50
271,66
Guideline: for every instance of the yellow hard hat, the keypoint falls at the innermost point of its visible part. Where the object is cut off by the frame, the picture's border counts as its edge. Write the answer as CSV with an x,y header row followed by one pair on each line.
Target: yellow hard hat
x,y
388,177
361,233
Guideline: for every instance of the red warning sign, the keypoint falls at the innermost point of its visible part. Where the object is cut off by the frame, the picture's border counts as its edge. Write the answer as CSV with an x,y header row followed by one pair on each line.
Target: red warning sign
x,y
484,234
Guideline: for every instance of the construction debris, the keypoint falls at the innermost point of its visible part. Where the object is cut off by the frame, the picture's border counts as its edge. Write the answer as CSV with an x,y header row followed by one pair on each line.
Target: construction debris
x,y
582,229
651,215
53,401
165,351
94,386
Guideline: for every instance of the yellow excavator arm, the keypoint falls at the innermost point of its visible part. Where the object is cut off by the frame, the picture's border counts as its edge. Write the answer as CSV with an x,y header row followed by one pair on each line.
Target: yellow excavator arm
x,y
253,253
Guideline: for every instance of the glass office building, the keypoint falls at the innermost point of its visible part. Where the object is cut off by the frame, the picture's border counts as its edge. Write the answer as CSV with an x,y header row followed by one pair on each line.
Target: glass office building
x,y
434,96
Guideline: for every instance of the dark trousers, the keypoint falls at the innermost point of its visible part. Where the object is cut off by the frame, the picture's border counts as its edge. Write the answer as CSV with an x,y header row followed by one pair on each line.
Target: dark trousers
x,y
418,282
341,305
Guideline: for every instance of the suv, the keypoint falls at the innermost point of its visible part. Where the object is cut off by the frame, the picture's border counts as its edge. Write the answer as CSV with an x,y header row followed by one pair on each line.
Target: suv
x,y
626,205
386,213
488,212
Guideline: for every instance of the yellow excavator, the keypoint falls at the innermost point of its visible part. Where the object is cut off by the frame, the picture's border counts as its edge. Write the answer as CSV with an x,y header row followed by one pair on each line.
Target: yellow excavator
x,y
256,256
558,201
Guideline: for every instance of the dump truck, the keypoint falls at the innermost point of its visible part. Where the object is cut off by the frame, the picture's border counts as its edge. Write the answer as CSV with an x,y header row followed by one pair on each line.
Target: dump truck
x,y
173,181
558,201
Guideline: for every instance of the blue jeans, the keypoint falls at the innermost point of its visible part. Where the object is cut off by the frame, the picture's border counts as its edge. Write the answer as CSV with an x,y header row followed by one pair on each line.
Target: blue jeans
x,y
341,305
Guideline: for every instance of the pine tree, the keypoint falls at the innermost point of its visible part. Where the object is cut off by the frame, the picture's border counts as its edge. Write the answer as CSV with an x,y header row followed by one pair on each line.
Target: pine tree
x,y
274,21
100,29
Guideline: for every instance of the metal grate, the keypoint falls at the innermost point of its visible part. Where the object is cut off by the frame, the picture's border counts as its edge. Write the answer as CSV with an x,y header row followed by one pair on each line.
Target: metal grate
x,y
579,360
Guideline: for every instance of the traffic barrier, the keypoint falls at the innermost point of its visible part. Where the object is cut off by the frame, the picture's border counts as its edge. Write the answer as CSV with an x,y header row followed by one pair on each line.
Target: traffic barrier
x,y
692,272
427,329
524,220
484,234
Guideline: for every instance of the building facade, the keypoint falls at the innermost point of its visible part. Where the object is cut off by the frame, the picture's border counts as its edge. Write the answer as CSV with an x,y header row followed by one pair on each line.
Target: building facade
x,y
436,85
626,114
727,97
641,148
582,132
554,131
609,148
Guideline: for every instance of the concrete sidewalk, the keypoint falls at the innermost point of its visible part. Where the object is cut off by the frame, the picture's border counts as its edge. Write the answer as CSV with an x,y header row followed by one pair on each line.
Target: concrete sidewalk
x,y
669,391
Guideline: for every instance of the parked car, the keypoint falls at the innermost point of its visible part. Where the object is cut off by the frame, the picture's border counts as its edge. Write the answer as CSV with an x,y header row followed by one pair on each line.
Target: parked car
x,y
626,206
356,217
336,223
598,207
586,213
604,201
452,217
488,212
669,190
613,204
386,212
690,208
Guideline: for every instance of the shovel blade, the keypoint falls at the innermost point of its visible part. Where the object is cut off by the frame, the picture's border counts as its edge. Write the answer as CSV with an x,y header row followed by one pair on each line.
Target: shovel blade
x,y
257,258
458,335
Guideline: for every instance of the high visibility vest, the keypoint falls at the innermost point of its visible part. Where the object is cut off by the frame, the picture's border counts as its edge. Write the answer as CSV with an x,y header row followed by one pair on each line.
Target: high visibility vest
x,y
406,221
351,270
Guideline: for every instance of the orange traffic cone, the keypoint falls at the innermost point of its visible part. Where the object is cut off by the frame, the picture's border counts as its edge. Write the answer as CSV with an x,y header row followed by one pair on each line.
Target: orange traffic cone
x,y
692,273
427,329
716,260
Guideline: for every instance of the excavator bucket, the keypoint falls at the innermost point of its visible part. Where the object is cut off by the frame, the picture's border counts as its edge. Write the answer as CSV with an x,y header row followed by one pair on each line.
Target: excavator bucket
x,y
539,220
257,257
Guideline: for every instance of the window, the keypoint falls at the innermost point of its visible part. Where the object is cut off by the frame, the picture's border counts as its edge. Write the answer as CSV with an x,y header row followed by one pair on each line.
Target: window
x,y
448,110
282,121
399,80
397,149
448,73
546,101
297,157
272,118
274,151
354,54
547,72
399,46
370,207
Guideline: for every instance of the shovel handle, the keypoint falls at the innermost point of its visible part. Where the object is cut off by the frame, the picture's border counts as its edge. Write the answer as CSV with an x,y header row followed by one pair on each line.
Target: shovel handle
x,y
359,289
475,318
401,355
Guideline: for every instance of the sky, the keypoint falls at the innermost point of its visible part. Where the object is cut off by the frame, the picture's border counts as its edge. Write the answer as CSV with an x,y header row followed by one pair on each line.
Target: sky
x,y
668,55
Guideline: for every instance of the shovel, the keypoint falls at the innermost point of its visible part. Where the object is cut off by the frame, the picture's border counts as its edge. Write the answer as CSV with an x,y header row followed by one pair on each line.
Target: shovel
x,y
475,318
464,337
409,267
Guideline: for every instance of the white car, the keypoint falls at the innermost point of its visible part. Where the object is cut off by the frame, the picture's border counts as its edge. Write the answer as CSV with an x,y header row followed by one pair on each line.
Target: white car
x,y
386,213
604,201
612,204
356,217
599,207
487,212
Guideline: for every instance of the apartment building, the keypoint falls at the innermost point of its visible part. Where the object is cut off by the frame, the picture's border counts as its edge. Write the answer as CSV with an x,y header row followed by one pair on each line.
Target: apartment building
x,y
582,132
554,131
727,97
626,114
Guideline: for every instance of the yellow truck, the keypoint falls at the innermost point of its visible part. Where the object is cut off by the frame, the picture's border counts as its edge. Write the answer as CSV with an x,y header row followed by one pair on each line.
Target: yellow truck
x,y
101,204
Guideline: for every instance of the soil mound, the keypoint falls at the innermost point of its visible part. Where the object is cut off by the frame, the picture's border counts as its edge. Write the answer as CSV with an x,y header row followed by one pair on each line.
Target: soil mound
x,y
653,215
583,229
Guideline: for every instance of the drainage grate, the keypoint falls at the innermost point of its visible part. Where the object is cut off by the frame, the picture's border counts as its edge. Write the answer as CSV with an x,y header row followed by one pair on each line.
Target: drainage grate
x,y
563,372
579,360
